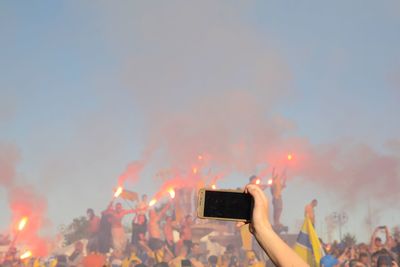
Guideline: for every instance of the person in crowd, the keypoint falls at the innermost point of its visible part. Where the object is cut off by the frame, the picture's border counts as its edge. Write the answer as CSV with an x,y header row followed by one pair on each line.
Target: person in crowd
x,y
195,255
93,229
119,239
386,261
212,261
155,217
168,230
376,242
252,259
364,259
309,211
278,184
186,232
139,228
230,252
181,256
131,258
104,237
278,251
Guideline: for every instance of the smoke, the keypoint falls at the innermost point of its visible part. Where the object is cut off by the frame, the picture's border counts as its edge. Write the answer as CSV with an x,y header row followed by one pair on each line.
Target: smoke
x,y
23,200
208,81
131,173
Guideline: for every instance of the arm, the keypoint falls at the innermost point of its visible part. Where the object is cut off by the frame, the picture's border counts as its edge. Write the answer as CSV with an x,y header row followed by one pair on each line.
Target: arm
x,y
163,211
279,252
388,241
372,242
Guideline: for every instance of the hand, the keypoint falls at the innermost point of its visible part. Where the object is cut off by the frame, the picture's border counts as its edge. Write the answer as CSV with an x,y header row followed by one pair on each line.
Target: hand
x,y
260,218
394,264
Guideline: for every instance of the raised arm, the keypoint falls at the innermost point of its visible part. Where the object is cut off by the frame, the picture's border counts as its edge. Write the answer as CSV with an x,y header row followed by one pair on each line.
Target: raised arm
x,y
279,252
372,242
163,211
388,242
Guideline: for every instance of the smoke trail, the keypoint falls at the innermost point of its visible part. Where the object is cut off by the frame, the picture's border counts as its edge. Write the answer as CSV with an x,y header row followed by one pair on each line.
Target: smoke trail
x,y
23,201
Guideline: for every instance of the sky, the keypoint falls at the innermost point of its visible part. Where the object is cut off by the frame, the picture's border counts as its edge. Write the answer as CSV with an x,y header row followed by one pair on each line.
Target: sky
x,y
90,89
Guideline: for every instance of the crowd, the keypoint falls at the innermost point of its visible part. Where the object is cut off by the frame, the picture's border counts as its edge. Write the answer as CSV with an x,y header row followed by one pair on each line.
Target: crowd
x,y
154,242
376,253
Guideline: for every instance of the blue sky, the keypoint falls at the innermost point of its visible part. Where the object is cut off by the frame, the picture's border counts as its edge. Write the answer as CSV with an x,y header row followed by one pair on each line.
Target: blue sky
x,y
83,84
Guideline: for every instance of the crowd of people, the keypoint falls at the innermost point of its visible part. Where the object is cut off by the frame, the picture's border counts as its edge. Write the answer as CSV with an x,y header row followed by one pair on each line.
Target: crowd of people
x,y
159,239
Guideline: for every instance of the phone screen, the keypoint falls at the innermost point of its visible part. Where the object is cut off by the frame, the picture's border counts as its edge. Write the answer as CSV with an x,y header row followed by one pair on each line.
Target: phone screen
x,y
230,205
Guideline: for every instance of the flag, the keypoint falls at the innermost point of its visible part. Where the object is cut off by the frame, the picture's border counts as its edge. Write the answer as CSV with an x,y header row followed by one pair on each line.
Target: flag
x,y
129,195
307,245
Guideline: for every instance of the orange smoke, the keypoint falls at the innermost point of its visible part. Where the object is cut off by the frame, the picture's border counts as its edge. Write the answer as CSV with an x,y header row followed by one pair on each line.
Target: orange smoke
x,y
22,223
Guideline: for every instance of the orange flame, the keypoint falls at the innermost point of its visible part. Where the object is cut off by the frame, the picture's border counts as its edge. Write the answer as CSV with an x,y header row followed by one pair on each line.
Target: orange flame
x,y
152,202
22,223
270,181
171,193
289,156
26,255
118,191
213,186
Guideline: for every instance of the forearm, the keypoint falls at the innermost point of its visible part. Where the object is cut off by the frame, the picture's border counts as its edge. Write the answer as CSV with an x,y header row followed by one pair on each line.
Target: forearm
x,y
279,252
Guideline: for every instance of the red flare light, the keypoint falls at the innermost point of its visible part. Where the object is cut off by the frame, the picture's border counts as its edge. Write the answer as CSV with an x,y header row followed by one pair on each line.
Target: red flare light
x,y
25,255
289,156
118,191
22,223
152,202
258,181
270,181
213,186
171,193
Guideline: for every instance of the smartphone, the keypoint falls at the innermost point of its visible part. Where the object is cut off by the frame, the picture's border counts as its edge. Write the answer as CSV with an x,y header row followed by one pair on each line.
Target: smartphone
x,y
230,205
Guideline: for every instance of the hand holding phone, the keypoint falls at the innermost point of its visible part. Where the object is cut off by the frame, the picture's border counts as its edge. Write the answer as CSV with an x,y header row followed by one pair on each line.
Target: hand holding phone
x,y
231,205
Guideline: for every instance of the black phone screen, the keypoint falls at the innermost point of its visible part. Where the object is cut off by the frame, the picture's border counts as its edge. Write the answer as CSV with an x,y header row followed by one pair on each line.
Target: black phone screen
x,y
230,205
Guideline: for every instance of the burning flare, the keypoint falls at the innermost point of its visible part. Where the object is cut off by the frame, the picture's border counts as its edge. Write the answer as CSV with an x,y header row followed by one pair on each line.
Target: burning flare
x,y
26,255
194,170
289,156
118,191
22,223
270,181
213,186
152,202
171,193
258,181
199,157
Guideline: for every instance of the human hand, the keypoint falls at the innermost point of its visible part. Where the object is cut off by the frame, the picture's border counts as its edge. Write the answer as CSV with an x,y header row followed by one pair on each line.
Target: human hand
x,y
259,218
